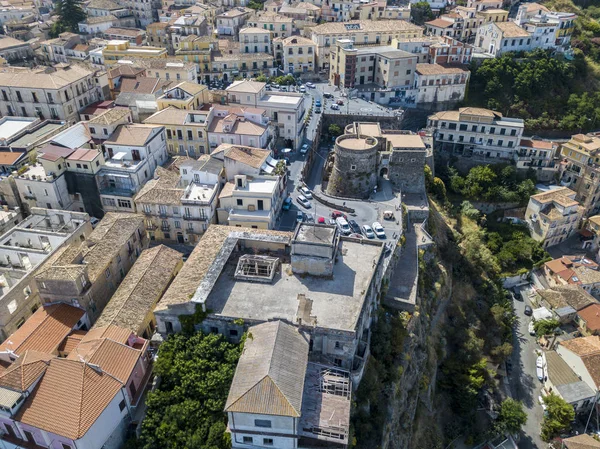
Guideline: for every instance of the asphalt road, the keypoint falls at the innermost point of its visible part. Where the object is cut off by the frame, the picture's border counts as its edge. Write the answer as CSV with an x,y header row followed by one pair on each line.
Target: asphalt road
x,y
524,383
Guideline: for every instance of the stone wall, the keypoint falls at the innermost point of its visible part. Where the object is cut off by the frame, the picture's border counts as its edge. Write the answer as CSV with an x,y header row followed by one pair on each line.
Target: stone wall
x,y
406,170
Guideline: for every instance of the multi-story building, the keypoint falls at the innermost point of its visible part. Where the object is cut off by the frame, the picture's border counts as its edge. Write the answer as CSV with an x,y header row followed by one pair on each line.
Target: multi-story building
x,y
229,23
13,50
228,66
239,126
582,170
198,50
278,355
477,132
381,11
290,288
497,38
103,125
95,378
391,71
279,25
440,84
540,156
135,36
378,32
132,305
573,271
23,250
186,131
298,54
55,50
56,93
132,154
179,206
286,110
82,167
553,216
528,10
255,40
145,11
118,50
188,25
185,95
157,35
106,8
170,69
86,274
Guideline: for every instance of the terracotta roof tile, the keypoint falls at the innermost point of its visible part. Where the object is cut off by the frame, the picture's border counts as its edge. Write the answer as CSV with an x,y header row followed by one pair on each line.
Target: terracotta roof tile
x,y
25,370
583,346
591,316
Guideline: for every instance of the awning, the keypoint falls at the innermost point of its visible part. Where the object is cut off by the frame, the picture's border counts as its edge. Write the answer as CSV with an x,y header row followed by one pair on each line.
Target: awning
x,y
267,168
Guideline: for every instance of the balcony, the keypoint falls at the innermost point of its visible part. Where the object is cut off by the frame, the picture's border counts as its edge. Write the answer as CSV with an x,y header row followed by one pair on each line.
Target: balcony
x,y
190,217
195,231
165,228
162,214
117,191
151,227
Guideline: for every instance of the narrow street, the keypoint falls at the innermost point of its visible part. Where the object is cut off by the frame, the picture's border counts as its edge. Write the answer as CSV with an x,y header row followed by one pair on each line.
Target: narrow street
x,y
524,383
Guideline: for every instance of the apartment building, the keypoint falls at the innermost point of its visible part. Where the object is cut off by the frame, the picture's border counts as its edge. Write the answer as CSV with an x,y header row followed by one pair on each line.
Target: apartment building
x,y
135,36
80,389
132,305
106,8
103,125
157,35
188,25
553,216
391,70
132,154
228,66
170,69
278,24
180,205
477,132
285,110
118,50
298,54
86,274
538,155
229,23
376,10
582,171
198,50
56,93
378,32
23,250
56,50
13,50
186,131
240,126
145,12
185,95
82,167
255,40
436,83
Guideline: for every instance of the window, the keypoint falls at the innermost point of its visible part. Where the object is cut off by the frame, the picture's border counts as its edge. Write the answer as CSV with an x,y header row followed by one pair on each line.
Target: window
x,y
177,224
92,130
29,436
338,345
513,132
124,203
107,273
267,441
502,131
492,130
240,202
122,405
248,440
262,423
353,167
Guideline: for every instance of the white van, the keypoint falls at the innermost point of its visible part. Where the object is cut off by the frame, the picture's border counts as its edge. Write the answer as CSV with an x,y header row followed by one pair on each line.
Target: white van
x,y
343,225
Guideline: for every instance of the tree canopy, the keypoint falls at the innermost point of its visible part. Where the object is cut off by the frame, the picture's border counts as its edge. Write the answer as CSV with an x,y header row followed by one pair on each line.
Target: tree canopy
x,y
558,417
545,327
186,411
69,13
511,417
421,12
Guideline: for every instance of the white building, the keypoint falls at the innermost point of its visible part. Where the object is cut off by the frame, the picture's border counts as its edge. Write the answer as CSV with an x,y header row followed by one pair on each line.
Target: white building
x,y
499,37
286,110
239,126
132,154
438,84
477,132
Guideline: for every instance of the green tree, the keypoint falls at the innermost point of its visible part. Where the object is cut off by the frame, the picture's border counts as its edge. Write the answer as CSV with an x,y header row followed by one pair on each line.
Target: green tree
x,y
421,12
558,417
69,13
511,417
334,130
256,5
439,190
261,78
468,210
186,411
545,327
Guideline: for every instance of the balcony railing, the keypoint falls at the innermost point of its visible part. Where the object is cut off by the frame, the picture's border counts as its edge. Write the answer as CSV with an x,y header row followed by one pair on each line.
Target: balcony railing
x,y
151,227
190,217
117,191
165,228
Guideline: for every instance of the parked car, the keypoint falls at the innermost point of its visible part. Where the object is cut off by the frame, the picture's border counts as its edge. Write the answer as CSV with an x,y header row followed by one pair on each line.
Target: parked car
x,y
331,221
327,95
378,229
337,213
340,102
306,192
354,225
303,201
318,103
299,216
335,107
343,225
539,368
94,222
317,110
310,85
283,89
368,232
304,149
275,86
287,203
528,311
517,294
302,89
321,220
531,328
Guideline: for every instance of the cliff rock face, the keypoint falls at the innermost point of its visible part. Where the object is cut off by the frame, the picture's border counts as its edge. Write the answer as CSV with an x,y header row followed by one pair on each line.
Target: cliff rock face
x,y
419,365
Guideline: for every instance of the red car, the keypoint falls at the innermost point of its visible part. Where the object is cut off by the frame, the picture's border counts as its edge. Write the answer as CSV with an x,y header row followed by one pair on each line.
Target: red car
x,y
337,214
340,102
321,220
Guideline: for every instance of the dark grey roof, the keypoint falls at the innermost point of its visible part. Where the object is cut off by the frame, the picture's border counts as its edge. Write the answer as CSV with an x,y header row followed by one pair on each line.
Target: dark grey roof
x,y
575,392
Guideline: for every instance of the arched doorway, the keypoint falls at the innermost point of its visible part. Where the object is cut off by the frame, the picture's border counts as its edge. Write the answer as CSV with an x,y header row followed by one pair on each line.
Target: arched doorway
x,y
384,172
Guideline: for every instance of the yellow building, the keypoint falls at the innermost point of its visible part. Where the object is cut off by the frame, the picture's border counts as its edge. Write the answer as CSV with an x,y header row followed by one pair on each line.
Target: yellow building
x,y
197,49
298,54
493,15
157,35
582,171
116,50
187,96
186,131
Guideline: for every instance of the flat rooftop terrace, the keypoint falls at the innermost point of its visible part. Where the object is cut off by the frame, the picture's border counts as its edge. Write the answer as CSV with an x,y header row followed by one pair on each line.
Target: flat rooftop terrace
x,y
336,302
34,136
